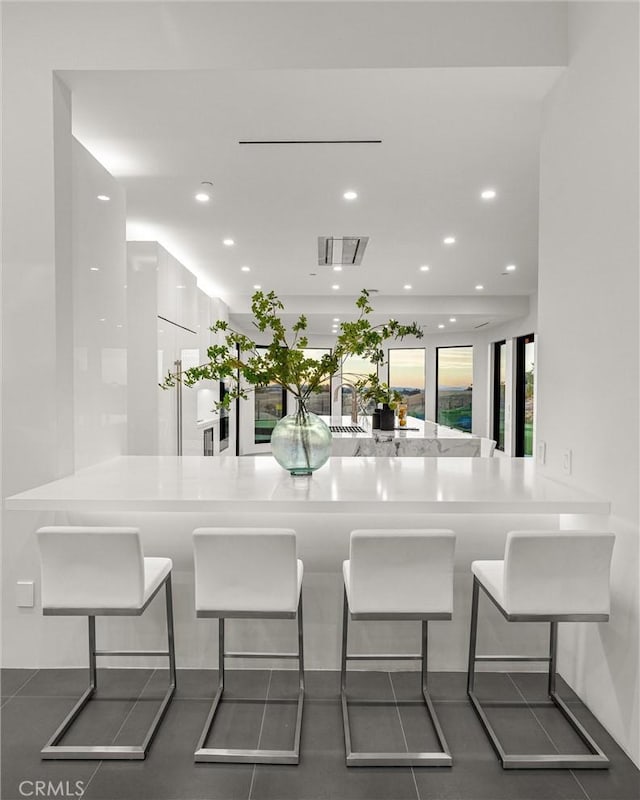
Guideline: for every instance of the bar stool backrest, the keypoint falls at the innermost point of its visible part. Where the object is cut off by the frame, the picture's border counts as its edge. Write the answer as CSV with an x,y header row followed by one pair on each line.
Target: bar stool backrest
x,y
245,569
551,572
91,567
403,571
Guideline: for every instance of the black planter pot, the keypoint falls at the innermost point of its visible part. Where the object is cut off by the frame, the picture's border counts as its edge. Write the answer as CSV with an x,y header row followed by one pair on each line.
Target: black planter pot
x,y
387,418
375,420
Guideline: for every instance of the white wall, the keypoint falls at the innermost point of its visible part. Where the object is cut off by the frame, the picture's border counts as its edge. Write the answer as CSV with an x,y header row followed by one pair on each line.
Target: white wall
x,y
99,312
588,328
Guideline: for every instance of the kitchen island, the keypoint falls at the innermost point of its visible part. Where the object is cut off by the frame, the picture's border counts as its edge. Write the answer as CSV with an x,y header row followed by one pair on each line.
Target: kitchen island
x,y
418,438
167,497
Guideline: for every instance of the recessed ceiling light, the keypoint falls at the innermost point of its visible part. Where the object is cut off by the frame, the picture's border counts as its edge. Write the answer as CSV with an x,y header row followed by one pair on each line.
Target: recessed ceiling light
x,y
103,319
94,269
424,268
335,286
336,319
452,319
228,242
257,286
441,326
350,195
479,287
337,269
449,240
118,326
488,194
202,197
407,286
104,197
246,269
510,267
180,286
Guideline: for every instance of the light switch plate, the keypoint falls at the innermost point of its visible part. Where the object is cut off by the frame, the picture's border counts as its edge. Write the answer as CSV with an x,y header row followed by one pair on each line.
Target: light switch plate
x,y
542,452
566,462
24,594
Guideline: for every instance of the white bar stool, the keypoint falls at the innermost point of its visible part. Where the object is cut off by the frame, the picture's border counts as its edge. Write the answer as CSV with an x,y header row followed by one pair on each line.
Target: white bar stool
x,y
546,576
397,575
90,571
248,573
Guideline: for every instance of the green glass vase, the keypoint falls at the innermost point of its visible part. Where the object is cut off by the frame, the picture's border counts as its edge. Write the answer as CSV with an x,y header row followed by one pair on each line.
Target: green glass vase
x,y
301,442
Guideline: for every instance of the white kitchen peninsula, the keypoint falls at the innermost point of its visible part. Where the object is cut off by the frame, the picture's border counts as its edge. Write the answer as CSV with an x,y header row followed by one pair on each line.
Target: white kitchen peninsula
x,y
167,497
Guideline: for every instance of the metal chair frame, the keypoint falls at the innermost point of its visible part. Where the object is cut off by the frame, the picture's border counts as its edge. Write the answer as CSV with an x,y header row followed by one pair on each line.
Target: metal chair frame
x,y
257,755
596,759
53,750
355,758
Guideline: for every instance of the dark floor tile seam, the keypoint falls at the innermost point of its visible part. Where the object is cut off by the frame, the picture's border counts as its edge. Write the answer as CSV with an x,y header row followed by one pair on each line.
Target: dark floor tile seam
x,y
7,698
533,713
86,784
404,736
264,714
135,703
579,782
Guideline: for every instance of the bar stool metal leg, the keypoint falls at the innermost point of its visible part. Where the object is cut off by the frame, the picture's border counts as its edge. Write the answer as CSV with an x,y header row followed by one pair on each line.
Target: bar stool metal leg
x,y
595,759
53,750
257,755
441,758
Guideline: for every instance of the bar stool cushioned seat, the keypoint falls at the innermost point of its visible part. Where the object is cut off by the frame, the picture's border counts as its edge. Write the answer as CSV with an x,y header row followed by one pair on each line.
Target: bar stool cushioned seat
x,y
397,574
546,576
102,571
252,573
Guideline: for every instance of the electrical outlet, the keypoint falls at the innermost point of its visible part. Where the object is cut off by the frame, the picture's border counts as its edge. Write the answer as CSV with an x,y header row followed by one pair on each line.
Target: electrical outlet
x,y
542,452
566,462
24,594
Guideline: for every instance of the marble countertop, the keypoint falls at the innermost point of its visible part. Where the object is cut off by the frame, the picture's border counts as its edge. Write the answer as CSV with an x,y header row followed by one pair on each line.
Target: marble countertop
x,y
257,483
416,429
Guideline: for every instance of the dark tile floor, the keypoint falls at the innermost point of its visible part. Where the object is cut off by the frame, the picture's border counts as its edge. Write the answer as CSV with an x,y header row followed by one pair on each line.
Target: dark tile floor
x,y
34,702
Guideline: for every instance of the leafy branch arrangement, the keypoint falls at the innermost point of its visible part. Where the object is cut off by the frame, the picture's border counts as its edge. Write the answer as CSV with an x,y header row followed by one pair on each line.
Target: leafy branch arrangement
x,y
372,389
244,365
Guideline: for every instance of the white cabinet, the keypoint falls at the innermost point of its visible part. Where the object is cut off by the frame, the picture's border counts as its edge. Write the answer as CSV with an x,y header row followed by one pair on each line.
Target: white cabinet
x,y
169,319
176,291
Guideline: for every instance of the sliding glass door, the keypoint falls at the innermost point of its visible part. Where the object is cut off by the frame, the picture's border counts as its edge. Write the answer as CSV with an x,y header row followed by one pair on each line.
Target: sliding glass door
x,y
525,394
499,392
407,376
454,371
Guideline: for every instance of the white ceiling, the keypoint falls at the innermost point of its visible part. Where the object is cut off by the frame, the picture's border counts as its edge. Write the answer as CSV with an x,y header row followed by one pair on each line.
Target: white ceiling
x,y
446,135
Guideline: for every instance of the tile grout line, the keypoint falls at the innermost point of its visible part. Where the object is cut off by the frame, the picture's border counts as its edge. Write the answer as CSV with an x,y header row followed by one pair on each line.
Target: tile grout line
x,y
135,703
93,775
264,714
579,782
8,699
533,713
404,737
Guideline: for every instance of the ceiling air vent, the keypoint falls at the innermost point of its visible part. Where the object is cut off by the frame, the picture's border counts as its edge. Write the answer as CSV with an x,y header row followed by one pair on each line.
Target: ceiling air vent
x,y
347,251
482,324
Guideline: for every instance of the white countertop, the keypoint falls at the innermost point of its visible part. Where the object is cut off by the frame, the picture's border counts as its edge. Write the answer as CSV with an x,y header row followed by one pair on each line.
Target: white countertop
x,y
258,483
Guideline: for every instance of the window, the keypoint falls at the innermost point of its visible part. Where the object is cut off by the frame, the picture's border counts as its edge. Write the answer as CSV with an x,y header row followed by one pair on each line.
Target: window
x,y
454,371
407,376
525,394
319,402
270,404
353,367
499,391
